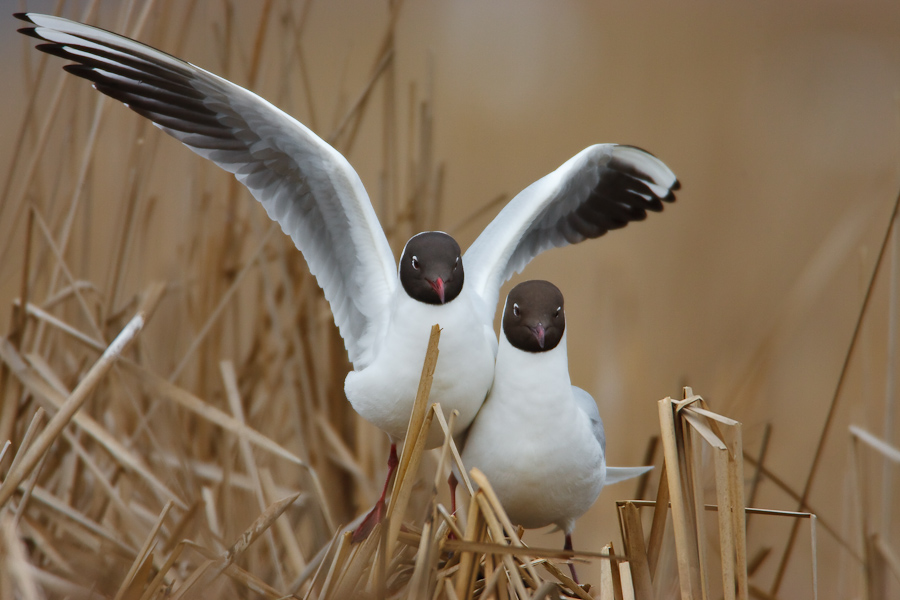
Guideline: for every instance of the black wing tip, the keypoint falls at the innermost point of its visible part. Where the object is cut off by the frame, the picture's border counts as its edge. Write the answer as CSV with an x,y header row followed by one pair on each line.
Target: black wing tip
x,y
79,70
31,32
655,204
54,49
672,188
23,16
670,197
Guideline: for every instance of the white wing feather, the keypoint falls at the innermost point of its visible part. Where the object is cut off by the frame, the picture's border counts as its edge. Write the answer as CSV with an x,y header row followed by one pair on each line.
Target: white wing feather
x,y
603,187
304,184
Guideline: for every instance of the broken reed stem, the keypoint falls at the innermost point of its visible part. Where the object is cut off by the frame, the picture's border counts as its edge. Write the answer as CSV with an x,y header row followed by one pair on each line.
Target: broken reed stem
x,y
637,554
414,443
688,427
680,522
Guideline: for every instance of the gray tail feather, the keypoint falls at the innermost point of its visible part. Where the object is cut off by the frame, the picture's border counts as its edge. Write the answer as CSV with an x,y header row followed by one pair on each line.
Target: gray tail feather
x,y
617,474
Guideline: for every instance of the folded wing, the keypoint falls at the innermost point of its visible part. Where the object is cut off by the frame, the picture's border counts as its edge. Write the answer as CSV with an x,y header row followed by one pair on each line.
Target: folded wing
x,y
603,187
586,403
613,474
304,184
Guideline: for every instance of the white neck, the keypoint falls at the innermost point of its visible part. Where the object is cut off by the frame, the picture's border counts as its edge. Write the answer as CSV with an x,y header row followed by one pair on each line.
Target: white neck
x,y
540,375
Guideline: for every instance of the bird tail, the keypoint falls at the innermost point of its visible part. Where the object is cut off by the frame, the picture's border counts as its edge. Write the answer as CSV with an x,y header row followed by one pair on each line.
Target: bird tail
x,y
617,474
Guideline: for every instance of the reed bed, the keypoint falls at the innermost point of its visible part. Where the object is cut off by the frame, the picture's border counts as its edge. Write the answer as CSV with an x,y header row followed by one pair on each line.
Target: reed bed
x,y
171,384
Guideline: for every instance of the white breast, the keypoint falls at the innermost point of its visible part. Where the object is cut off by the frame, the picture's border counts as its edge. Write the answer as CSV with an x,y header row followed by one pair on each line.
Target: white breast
x,y
533,442
384,392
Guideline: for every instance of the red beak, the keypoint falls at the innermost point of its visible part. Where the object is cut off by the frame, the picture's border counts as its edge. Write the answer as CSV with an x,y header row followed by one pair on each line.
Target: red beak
x,y
438,286
538,332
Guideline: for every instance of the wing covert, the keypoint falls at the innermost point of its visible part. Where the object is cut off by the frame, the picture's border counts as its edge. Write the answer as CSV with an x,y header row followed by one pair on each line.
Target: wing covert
x,y
586,403
304,184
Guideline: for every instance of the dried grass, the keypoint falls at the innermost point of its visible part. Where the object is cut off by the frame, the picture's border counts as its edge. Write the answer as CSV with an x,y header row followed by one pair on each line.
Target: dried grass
x,y
191,439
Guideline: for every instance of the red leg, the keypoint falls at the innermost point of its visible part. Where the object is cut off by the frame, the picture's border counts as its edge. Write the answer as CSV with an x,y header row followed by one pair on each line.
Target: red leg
x,y
568,546
377,513
452,482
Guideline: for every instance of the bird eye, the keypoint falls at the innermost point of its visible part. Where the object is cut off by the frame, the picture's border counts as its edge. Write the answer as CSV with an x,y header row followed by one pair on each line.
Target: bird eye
x,y
415,263
515,309
558,309
456,264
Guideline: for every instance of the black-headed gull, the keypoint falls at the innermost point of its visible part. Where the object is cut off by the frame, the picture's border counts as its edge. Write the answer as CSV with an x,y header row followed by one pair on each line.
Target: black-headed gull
x,y
311,190
538,438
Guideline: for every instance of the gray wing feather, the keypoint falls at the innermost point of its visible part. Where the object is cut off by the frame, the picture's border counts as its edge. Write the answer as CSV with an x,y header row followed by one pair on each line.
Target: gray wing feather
x,y
613,474
586,403
304,184
603,187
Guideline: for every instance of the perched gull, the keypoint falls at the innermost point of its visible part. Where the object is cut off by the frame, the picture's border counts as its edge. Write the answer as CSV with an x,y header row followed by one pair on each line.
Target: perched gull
x,y
384,314
538,438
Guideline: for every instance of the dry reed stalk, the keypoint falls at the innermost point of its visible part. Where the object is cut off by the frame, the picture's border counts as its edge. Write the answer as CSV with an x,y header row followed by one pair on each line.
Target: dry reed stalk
x,y
879,560
414,442
633,536
608,577
829,419
681,493
680,422
71,405
688,570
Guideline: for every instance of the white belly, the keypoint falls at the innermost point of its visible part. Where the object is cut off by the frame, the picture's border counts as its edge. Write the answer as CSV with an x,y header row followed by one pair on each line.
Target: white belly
x,y
535,445
384,392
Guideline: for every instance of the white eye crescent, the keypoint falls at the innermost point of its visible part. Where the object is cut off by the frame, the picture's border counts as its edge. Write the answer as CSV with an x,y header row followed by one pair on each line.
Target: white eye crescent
x,y
515,309
415,263
558,310
456,264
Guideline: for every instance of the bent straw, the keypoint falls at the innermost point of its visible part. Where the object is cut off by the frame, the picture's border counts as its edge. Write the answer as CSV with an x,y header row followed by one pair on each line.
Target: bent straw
x,y
79,396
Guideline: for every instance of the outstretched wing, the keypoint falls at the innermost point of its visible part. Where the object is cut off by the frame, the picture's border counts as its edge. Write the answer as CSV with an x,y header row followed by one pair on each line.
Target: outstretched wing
x,y
602,187
304,184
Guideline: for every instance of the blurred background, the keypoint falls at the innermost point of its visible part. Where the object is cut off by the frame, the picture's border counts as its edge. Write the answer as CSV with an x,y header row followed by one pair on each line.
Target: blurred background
x,y
781,120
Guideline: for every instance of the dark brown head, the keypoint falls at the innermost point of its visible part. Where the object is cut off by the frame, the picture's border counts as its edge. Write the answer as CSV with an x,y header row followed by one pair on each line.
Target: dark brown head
x,y
534,318
431,269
